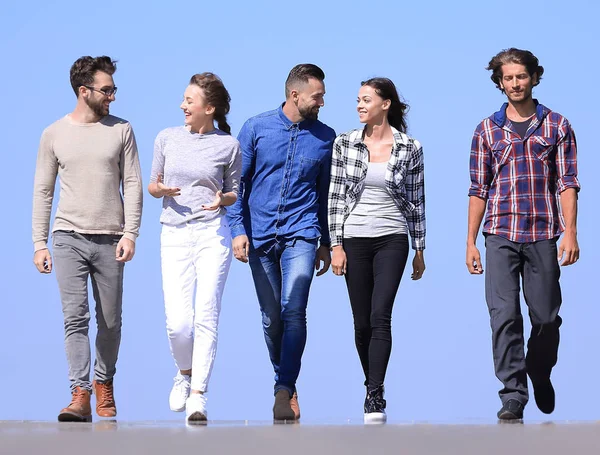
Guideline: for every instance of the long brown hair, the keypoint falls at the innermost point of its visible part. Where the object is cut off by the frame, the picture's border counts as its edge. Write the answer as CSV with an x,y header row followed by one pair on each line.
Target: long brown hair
x,y
216,95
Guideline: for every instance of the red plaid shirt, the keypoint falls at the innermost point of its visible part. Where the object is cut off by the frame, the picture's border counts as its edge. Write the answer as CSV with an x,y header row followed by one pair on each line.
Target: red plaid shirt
x,y
523,178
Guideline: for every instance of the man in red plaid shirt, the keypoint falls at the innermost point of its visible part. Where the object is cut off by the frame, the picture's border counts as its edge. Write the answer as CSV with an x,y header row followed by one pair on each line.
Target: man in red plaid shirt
x,y
523,170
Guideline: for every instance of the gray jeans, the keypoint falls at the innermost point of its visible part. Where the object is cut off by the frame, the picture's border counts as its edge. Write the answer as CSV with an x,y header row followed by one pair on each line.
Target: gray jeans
x,y
78,257
536,264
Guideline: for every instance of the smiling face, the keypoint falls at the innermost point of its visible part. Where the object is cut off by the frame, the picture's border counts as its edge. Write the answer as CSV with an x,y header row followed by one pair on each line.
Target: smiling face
x,y
517,83
309,98
195,109
372,108
95,99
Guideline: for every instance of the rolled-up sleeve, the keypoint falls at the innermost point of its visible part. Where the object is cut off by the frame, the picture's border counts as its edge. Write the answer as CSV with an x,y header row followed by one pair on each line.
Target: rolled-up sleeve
x,y
415,192
566,158
337,194
480,166
237,213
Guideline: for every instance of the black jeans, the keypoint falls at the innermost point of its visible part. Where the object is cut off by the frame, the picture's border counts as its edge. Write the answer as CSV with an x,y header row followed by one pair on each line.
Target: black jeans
x,y
536,264
373,272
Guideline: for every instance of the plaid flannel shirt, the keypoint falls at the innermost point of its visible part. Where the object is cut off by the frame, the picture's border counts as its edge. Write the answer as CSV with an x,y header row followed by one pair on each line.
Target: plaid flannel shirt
x,y
404,181
523,178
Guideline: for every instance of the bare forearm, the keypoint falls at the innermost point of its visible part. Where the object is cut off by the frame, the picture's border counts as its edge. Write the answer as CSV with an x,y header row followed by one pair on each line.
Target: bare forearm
x,y
568,202
229,199
476,211
154,191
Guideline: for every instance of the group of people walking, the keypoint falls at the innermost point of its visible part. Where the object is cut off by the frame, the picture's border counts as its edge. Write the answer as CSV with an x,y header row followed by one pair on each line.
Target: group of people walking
x,y
289,198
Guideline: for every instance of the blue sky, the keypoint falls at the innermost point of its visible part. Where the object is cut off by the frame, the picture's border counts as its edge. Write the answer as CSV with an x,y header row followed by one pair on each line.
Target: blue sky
x,y
436,52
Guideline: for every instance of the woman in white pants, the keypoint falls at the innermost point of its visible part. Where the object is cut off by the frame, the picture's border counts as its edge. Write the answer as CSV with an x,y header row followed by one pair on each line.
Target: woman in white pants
x,y
195,170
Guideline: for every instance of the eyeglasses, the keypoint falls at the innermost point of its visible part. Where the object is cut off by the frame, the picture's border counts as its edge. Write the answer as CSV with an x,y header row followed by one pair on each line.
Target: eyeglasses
x,y
104,91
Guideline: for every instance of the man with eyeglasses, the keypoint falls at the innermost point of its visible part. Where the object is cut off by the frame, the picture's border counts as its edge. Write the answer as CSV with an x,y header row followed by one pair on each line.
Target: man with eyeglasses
x,y
95,227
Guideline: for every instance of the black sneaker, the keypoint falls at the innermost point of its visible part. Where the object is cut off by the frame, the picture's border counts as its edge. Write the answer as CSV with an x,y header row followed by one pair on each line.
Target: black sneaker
x,y
511,410
282,409
375,406
543,391
544,395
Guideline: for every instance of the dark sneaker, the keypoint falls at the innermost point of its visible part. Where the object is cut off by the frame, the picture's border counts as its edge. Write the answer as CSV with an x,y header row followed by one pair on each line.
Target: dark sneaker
x,y
543,392
375,406
282,410
79,410
511,410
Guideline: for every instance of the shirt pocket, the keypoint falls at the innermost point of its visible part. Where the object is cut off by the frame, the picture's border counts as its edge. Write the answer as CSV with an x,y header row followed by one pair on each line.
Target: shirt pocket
x,y
503,152
542,147
399,176
309,169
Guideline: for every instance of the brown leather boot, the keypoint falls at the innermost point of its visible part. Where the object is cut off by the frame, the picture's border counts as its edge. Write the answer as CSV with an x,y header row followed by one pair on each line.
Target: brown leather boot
x,y
295,406
79,410
105,399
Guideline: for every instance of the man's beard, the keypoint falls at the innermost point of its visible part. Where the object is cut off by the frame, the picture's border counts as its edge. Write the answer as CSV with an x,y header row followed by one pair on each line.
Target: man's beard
x,y
97,108
309,113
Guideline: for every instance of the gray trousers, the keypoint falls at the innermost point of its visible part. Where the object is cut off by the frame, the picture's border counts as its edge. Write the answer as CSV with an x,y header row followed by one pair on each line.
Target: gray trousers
x,y
536,264
78,257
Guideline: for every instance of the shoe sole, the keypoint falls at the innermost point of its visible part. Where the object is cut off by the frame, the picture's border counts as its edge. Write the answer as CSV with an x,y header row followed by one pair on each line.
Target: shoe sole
x,y
197,418
285,418
375,418
508,416
69,417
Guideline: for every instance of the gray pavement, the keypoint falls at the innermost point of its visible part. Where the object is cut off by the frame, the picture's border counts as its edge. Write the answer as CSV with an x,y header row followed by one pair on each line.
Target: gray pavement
x,y
263,438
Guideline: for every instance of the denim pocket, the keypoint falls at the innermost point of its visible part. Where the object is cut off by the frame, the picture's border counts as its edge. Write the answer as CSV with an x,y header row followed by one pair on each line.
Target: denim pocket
x,y
309,169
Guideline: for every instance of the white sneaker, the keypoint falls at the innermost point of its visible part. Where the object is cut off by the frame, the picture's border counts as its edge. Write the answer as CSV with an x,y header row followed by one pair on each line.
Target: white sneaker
x,y
373,418
180,392
195,409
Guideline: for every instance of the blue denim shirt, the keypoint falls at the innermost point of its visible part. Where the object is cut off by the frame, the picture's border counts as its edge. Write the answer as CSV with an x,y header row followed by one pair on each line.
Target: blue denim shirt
x,y
285,180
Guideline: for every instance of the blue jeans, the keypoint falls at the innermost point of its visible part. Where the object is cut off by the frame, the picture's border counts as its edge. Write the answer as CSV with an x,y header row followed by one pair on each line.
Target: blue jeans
x,y
282,277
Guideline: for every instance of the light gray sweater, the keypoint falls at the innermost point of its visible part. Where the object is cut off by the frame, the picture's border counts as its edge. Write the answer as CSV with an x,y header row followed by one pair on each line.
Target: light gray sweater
x,y
199,164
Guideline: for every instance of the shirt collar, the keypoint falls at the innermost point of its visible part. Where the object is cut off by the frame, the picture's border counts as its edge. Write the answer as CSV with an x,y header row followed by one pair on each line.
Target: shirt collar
x,y
303,125
399,138
500,118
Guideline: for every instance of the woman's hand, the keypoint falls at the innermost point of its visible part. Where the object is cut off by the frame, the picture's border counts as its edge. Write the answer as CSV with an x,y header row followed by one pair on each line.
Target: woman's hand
x,y
418,265
214,205
338,260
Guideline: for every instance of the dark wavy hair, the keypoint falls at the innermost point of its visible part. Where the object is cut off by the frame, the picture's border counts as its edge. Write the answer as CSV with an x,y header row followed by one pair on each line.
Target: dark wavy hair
x,y
514,55
216,95
386,89
84,69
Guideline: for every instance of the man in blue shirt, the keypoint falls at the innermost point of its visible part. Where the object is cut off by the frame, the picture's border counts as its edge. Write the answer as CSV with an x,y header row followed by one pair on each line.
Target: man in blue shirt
x,y
279,222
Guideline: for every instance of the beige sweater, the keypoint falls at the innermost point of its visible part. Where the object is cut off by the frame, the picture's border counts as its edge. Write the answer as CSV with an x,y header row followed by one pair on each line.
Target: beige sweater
x,y
94,162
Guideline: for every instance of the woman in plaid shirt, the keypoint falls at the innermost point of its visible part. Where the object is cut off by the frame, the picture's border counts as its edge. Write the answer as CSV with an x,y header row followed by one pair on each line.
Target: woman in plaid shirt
x,y
376,198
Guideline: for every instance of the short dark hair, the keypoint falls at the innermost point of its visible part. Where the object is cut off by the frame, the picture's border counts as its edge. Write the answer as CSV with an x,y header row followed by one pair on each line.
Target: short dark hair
x,y
85,68
514,55
301,74
216,95
386,89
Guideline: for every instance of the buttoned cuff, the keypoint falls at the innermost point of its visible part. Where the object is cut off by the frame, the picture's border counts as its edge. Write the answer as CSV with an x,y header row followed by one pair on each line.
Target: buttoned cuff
x,y
237,230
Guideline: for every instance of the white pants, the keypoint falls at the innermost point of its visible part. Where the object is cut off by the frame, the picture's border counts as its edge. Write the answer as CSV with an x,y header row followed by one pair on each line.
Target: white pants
x,y
195,261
